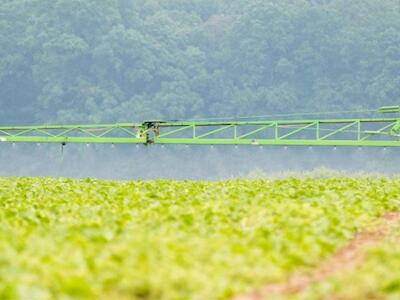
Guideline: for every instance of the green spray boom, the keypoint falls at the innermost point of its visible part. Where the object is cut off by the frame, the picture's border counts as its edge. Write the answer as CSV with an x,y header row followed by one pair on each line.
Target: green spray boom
x,y
359,132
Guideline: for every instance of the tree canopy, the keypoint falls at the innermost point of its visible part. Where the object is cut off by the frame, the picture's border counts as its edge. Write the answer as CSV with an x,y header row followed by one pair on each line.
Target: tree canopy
x,y
70,61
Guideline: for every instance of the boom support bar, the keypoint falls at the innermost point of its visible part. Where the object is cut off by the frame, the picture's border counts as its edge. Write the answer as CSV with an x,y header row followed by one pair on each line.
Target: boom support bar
x,y
368,132
87,134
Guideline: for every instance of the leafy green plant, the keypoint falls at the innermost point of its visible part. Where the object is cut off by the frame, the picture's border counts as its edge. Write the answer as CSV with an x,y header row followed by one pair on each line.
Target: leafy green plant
x,y
91,239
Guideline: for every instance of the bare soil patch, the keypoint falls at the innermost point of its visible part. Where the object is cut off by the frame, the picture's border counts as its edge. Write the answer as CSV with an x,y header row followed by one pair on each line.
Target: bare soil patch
x,y
346,258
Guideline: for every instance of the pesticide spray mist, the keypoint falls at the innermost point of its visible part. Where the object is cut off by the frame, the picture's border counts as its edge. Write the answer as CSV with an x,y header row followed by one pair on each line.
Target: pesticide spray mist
x,y
125,162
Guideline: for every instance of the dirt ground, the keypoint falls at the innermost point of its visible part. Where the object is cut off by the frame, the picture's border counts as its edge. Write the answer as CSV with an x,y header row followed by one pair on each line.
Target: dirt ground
x,y
346,258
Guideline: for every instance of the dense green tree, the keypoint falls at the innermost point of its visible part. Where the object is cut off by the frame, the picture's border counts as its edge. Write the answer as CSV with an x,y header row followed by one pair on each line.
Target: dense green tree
x,y
121,60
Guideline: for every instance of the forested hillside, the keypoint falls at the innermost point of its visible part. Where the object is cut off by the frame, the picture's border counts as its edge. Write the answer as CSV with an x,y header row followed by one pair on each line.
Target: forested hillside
x,y
121,60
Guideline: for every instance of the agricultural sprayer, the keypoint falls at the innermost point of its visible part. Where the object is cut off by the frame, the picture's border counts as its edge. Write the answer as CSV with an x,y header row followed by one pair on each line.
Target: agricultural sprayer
x,y
382,131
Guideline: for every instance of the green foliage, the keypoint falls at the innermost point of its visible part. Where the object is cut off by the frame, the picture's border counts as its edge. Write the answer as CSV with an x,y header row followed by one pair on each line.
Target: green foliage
x,y
119,60
377,277
90,239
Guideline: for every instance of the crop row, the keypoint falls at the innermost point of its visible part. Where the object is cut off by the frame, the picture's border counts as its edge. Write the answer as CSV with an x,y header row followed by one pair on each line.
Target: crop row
x,y
90,239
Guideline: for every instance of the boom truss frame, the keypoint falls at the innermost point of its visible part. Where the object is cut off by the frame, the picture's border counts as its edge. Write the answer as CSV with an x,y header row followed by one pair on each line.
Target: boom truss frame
x,y
367,132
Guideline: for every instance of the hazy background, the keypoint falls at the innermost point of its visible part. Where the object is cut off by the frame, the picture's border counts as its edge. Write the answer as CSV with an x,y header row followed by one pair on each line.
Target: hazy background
x,y
97,61
199,163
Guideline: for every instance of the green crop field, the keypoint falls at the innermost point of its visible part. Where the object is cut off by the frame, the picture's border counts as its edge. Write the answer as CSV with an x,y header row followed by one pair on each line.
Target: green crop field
x,y
377,278
92,239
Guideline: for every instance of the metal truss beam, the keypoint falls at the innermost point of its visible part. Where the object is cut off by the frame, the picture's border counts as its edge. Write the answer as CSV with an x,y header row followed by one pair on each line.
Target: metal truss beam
x,y
367,132
90,134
